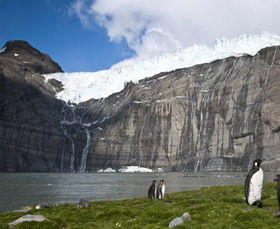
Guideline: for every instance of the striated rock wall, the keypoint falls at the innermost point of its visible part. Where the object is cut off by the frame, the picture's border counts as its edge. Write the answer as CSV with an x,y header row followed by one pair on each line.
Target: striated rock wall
x,y
218,116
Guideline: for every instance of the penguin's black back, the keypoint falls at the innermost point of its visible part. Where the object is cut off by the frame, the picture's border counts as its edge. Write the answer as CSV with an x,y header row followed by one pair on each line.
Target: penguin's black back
x,y
248,181
151,192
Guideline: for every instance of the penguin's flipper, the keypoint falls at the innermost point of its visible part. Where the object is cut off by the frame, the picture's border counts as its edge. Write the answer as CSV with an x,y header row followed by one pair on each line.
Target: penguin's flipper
x,y
247,187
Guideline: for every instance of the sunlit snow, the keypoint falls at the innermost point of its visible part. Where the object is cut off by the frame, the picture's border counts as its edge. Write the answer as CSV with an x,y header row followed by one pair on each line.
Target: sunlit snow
x,y
3,49
133,169
81,86
130,169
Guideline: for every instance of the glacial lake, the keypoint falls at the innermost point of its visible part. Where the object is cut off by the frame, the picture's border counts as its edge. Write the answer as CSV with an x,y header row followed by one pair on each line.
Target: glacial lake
x,y
25,189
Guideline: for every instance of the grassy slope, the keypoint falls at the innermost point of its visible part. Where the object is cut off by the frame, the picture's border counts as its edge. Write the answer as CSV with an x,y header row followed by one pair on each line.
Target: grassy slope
x,y
215,207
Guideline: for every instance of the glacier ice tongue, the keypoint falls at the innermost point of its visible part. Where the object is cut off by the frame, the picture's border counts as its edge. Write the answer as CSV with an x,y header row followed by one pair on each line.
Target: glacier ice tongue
x,y
82,86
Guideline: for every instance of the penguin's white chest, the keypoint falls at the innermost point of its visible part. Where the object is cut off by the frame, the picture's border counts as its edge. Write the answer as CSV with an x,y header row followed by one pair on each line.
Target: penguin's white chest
x,y
255,190
163,190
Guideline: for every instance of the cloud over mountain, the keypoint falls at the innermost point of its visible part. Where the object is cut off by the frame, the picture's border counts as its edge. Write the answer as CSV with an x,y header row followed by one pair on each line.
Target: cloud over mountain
x,y
158,26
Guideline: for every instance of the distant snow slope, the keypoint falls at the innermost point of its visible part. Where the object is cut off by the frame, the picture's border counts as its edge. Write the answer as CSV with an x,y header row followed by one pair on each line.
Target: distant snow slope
x,y
81,86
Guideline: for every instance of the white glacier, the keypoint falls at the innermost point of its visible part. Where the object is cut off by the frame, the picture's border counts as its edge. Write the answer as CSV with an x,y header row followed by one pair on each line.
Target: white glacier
x,y
81,86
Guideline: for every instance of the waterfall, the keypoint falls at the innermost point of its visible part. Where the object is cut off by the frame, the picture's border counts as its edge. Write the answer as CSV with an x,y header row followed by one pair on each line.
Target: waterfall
x,y
85,152
76,119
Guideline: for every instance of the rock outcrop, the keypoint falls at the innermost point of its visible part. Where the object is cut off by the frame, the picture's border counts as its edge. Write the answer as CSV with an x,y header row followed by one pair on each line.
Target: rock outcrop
x,y
218,116
27,218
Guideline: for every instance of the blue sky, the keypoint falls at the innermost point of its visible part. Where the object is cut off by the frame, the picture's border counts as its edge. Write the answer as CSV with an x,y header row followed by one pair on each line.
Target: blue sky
x,y
91,35
47,26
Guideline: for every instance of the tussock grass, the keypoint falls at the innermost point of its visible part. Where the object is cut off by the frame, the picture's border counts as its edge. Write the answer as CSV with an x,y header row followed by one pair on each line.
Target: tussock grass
x,y
215,207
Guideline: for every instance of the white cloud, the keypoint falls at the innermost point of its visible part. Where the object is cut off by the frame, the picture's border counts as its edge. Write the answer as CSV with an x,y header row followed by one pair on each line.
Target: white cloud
x,y
152,27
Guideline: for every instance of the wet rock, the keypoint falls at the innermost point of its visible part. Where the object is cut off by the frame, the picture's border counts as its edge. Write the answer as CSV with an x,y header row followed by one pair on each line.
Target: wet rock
x,y
42,205
247,209
83,203
179,220
186,216
37,218
23,210
277,215
175,222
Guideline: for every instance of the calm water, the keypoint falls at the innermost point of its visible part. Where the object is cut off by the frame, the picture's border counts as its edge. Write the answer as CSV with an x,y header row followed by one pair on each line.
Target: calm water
x,y
25,189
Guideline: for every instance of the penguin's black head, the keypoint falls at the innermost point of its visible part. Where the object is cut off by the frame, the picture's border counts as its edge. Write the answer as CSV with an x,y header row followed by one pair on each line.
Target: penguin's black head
x,y
154,181
161,181
257,163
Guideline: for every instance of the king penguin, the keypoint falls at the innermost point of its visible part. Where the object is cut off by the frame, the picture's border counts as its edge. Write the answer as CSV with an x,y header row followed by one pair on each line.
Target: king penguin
x,y
254,184
152,190
160,190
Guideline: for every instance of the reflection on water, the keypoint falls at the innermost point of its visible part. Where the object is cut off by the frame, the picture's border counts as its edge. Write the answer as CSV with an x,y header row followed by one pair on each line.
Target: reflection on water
x,y
24,189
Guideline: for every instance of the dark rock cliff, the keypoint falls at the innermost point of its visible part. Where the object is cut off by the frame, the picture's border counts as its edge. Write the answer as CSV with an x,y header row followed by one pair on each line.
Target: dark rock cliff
x,y
30,135
216,116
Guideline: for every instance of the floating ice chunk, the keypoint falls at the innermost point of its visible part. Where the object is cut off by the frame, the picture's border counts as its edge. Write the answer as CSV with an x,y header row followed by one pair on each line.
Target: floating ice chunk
x,y
108,170
133,169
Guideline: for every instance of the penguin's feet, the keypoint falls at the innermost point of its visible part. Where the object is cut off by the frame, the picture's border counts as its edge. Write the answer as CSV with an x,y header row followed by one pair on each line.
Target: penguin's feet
x,y
259,204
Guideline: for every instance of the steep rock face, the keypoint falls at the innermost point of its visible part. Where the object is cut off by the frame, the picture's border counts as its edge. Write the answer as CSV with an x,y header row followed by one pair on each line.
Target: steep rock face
x,y
216,116
30,134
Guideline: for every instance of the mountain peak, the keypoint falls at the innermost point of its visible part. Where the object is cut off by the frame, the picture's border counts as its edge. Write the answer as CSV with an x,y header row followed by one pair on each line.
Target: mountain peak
x,y
22,52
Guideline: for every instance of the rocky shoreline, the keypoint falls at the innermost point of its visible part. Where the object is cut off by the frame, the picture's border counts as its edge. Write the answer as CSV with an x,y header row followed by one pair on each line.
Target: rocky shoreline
x,y
207,207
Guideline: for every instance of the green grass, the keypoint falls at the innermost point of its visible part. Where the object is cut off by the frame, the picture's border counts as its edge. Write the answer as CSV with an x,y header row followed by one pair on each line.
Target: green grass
x,y
215,207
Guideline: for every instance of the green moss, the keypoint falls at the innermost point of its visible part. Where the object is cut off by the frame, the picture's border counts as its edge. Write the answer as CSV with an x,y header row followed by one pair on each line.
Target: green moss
x,y
215,207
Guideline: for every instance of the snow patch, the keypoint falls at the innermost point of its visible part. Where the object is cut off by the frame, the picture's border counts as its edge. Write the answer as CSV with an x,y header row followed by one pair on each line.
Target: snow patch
x,y
130,169
82,86
108,170
133,169
3,49
136,101
159,170
16,54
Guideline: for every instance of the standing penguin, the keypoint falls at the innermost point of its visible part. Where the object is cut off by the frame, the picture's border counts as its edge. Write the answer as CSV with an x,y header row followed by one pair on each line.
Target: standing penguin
x,y
152,190
254,184
160,190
